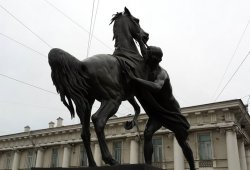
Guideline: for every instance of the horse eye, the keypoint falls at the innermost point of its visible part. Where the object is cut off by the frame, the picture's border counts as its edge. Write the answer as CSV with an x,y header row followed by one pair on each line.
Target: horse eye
x,y
137,20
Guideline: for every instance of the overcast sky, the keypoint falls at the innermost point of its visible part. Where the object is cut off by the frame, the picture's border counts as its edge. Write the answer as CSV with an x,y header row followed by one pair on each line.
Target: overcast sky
x,y
199,38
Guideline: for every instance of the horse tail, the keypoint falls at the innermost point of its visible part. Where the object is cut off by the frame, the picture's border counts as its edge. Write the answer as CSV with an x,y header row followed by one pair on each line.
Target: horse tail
x,y
69,80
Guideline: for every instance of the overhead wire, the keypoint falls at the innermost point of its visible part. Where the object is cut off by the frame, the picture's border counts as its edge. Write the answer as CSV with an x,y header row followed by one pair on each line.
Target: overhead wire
x,y
31,85
92,33
232,76
19,21
245,96
22,44
231,59
23,82
248,98
92,25
77,24
29,105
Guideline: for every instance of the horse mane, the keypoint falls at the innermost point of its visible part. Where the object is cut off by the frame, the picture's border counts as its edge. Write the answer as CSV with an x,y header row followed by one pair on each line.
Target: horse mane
x,y
115,17
69,82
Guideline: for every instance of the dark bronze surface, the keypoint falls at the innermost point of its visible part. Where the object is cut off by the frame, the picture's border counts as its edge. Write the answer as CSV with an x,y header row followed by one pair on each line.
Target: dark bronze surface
x,y
112,79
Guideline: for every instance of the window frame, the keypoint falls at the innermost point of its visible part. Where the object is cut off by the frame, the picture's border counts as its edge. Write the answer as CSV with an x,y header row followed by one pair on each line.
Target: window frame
x,y
9,160
32,163
114,151
57,158
161,156
211,145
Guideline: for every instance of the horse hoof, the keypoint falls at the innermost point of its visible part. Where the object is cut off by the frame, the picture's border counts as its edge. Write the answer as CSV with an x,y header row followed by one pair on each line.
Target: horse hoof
x,y
92,165
113,162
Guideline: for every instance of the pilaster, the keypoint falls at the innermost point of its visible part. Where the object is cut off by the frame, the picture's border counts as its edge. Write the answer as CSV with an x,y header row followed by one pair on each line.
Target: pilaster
x,y
134,152
39,158
16,160
232,150
178,156
242,154
97,155
66,156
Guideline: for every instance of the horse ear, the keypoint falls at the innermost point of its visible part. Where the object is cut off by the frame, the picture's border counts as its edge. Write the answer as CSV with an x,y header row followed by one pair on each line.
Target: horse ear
x,y
126,11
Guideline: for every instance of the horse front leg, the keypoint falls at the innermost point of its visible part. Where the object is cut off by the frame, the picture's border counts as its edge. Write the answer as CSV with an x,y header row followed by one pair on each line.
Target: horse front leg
x,y
136,107
130,124
99,119
85,134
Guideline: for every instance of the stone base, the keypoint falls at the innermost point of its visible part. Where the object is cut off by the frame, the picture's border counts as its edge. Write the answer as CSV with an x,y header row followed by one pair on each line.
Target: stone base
x,y
117,167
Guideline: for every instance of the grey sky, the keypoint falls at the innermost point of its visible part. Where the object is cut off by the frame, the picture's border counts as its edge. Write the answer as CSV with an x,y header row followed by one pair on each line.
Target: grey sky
x,y
198,38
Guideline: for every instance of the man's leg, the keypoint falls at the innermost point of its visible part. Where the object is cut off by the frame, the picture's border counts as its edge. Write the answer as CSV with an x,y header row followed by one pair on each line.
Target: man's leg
x,y
182,140
151,127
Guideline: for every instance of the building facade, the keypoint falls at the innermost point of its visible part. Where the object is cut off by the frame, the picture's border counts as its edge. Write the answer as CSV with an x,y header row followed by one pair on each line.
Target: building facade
x,y
219,138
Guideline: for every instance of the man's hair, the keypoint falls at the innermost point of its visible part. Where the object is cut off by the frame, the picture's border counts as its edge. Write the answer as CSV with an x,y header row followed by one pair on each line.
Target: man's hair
x,y
153,50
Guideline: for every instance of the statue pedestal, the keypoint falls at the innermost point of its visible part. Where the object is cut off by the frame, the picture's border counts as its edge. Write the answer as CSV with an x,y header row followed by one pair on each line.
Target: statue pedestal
x,y
117,167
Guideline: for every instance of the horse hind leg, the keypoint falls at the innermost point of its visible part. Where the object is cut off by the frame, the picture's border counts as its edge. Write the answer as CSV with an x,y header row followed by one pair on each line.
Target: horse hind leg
x,y
85,134
100,118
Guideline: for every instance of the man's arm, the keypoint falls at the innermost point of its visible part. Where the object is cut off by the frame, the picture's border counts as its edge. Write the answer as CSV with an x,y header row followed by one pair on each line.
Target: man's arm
x,y
153,86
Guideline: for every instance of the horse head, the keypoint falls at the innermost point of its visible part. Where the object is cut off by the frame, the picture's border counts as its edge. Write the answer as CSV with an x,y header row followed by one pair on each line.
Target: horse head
x,y
126,26
136,27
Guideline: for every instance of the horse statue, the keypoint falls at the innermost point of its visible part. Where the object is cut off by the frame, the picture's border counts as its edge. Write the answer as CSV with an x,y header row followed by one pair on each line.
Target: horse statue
x,y
101,78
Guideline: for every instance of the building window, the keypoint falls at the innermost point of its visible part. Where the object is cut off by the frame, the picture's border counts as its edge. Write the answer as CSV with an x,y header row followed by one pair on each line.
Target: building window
x,y
31,159
8,162
205,146
117,150
54,158
157,150
83,156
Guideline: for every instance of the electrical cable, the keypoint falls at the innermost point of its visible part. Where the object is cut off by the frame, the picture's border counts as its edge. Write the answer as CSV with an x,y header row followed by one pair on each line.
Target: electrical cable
x,y
232,76
90,30
231,59
25,26
3,75
77,24
22,44
30,105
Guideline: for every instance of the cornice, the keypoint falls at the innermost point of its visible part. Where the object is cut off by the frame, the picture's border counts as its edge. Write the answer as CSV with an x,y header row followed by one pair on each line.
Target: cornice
x,y
213,106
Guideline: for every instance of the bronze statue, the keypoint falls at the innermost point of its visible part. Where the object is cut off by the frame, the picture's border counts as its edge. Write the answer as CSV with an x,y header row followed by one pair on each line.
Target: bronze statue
x,y
99,78
156,97
112,79
125,54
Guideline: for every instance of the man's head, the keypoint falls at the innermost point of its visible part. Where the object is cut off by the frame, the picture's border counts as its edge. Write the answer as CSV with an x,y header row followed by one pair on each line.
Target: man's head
x,y
154,54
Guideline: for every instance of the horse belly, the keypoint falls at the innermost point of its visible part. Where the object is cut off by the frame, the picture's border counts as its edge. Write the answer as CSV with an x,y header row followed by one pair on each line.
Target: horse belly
x,y
105,78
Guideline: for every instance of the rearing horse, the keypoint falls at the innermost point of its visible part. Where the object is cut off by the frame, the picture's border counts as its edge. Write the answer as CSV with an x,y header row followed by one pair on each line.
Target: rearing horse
x,y
99,78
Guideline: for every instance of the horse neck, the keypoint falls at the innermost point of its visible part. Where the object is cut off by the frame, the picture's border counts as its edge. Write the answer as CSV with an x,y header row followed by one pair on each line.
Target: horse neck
x,y
125,43
123,38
